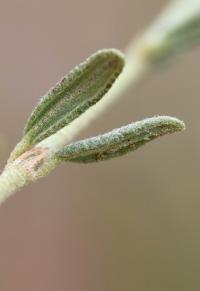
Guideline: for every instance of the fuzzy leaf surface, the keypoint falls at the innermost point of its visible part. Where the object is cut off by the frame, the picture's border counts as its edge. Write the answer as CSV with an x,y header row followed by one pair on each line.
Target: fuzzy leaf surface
x,y
74,94
82,88
120,141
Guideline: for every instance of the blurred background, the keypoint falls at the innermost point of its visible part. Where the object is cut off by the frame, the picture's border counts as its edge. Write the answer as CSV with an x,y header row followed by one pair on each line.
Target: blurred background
x,y
131,223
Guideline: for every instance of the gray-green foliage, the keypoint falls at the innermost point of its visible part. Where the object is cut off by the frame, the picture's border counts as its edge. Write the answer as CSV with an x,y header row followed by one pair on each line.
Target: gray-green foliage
x,y
43,145
74,94
120,141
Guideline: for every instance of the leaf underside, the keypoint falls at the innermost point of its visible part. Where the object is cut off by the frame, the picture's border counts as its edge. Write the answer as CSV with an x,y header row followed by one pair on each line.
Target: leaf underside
x,y
120,141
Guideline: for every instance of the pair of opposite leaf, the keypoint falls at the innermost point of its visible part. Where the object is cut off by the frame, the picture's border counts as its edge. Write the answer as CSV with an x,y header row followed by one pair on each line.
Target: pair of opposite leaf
x,y
72,96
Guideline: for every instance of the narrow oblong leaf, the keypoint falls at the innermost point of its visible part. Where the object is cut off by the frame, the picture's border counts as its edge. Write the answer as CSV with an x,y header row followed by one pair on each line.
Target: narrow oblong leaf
x,y
74,94
120,141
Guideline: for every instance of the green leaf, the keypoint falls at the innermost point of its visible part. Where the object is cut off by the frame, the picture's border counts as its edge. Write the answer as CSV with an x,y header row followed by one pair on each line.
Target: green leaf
x,y
120,141
73,95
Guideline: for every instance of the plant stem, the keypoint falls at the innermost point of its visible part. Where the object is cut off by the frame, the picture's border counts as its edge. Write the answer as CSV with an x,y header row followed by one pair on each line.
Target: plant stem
x,y
15,177
29,167
141,57
11,180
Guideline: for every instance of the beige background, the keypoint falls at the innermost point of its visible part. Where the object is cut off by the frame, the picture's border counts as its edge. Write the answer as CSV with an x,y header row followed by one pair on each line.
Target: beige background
x,y
127,224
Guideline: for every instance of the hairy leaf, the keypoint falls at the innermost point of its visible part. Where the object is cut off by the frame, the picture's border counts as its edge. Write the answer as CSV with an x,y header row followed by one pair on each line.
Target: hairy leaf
x,y
73,95
120,141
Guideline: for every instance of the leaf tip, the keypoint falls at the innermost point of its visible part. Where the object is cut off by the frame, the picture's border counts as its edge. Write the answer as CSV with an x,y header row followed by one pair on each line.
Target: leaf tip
x,y
172,123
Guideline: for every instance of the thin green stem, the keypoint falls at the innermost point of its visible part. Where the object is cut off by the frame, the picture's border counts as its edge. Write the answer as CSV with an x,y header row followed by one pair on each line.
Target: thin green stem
x,y
11,180
34,157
